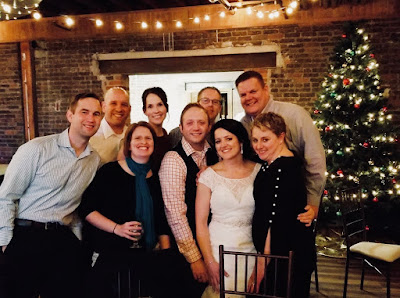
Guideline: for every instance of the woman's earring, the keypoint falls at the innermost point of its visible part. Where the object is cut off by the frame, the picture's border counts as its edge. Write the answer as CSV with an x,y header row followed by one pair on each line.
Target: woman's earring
x,y
241,148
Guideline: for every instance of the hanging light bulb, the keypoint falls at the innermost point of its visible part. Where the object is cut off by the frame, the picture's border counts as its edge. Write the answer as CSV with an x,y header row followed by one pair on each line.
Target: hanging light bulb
x,y
207,17
144,25
158,25
99,23
69,21
222,14
36,15
294,4
179,24
196,20
118,25
249,10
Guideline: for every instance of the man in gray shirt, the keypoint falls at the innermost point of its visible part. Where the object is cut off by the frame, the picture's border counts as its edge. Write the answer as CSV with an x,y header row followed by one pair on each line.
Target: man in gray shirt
x,y
302,136
42,188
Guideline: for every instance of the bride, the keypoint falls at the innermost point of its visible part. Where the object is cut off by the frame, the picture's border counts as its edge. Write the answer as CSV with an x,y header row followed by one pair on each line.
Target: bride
x,y
227,189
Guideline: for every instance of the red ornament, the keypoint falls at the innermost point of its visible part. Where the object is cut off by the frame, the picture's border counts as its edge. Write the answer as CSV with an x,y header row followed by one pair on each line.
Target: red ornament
x,y
327,128
344,35
372,55
316,111
384,109
367,69
325,192
394,181
330,75
366,145
367,228
375,199
357,106
339,172
346,82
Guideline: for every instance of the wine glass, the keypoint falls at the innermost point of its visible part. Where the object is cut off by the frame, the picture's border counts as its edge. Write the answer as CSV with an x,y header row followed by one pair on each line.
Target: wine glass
x,y
135,243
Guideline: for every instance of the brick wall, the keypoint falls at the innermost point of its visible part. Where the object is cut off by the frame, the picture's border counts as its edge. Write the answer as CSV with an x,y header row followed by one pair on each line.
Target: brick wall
x,y
11,115
64,68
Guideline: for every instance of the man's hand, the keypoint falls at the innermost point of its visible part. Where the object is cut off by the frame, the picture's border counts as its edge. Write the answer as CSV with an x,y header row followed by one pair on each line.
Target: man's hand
x,y
308,216
199,271
3,248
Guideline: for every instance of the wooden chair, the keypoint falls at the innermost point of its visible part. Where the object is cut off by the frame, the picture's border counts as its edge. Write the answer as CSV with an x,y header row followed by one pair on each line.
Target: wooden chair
x,y
277,261
354,229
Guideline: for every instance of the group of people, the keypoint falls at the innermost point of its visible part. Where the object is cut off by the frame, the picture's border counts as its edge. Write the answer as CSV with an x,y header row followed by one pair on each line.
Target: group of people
x,y
157,204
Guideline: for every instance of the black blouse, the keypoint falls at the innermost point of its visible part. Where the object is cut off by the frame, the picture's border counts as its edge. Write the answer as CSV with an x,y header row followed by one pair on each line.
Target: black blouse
x,y
112,193
280,195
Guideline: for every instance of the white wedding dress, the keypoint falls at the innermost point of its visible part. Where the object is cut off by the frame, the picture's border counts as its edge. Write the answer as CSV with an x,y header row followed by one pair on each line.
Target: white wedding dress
x,y
232,208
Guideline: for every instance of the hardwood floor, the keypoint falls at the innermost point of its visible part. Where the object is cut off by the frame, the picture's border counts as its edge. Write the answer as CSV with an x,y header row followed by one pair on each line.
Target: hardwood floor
x,y
331,280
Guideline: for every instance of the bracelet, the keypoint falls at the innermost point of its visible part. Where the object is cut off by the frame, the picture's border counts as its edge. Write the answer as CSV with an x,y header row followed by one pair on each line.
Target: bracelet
x,y
114,228
210,262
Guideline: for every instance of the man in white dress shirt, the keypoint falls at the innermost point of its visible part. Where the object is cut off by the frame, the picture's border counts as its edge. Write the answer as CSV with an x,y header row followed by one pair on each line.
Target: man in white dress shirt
x,y
42,188
116,109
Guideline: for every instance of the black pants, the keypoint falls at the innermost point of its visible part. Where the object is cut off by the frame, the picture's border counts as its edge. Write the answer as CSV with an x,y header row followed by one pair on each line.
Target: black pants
x,y
42,262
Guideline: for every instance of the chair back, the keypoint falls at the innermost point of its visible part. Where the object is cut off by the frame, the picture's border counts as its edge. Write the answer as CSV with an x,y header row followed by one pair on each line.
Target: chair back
x,y
352,209
277,279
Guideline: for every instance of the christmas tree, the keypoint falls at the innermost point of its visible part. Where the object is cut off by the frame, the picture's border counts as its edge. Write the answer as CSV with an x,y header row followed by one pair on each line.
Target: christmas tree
x,y
356,127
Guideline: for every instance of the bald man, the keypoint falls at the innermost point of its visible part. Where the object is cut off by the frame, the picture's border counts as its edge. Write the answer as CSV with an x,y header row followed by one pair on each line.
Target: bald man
x,y
116,109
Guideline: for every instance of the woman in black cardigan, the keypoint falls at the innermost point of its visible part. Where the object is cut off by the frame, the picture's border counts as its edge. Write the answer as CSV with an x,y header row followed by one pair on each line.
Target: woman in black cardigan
x,y
280,195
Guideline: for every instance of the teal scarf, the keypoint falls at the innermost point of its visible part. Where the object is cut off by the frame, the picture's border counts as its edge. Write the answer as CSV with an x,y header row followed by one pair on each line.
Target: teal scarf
x,y
144,202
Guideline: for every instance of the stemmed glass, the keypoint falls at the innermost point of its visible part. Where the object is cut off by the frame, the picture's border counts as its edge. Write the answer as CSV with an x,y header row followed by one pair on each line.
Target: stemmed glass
x,y
135,243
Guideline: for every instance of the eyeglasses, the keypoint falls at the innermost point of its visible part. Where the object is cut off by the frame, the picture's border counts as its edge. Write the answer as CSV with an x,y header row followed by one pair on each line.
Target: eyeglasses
x,y
215,102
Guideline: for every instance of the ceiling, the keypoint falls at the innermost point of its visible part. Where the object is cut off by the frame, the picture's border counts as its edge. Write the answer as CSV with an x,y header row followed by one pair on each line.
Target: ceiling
x,y
50,8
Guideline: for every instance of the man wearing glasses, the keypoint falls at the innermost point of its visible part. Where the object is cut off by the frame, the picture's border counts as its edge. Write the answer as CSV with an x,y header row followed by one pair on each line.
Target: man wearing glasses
x,y
210,99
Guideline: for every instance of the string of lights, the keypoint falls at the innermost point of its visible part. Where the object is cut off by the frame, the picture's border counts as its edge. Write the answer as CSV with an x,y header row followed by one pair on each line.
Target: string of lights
x,y
14,9
271,9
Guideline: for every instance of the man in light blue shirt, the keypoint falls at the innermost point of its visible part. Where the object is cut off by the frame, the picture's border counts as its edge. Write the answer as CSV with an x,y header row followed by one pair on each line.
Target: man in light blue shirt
x,y
42,188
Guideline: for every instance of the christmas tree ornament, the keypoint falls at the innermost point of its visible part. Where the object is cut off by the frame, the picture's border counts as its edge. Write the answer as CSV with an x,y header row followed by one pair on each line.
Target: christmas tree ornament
x,y
366,145
357,106
375,199
339,152
339,172
346,82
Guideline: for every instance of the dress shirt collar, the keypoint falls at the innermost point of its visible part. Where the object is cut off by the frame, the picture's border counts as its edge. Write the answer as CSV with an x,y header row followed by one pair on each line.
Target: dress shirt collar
x,y
107,130
63,141
189,150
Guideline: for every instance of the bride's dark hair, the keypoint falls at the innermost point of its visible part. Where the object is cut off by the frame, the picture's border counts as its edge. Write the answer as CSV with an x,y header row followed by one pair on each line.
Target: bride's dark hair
x,y
236,128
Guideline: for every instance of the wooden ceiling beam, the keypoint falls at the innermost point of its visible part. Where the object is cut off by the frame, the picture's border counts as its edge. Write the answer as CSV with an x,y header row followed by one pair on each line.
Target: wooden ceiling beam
x,y
52,28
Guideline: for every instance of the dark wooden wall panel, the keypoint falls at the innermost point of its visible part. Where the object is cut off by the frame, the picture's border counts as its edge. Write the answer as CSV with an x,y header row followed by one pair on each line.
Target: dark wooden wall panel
x,y
188,64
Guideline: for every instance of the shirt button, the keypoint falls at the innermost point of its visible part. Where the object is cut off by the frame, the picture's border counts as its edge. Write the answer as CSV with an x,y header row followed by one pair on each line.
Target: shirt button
x,y
276,186
270,221
276,195
273,213
277,178
279,170
274,204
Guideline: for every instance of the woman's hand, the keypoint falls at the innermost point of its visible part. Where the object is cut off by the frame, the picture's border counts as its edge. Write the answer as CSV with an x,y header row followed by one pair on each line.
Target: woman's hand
x,y
253,285
129,230
213,275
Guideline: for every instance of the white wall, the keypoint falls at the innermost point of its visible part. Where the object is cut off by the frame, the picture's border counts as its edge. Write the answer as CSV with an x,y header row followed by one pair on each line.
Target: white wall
x,y
178,88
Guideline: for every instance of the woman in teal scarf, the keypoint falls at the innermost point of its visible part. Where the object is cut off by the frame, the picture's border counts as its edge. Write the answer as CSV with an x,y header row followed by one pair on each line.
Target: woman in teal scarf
x,y
124,206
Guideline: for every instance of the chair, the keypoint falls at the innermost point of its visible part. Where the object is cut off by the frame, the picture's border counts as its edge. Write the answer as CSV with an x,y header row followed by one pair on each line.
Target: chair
x,y
354,229
279,262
